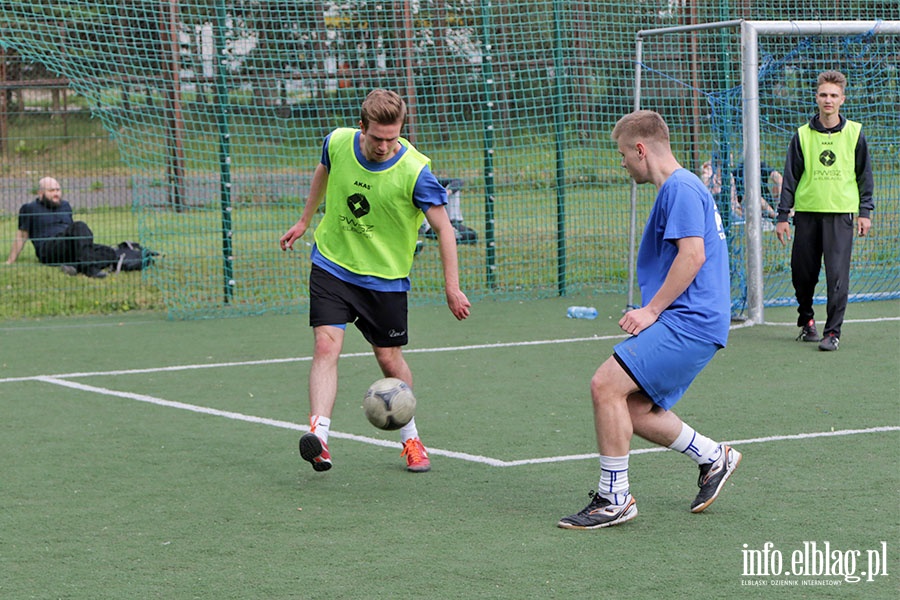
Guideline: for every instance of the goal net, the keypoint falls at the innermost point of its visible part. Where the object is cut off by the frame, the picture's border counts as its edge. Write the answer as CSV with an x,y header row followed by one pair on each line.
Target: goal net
x,y
746,89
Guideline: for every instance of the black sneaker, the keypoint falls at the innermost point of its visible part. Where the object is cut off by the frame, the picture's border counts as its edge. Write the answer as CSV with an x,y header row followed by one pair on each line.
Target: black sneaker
x,y
600,513
713,477
829,343
808,332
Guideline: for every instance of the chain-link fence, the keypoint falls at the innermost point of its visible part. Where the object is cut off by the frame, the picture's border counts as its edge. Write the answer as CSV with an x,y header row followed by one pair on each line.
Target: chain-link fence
x,y
194,126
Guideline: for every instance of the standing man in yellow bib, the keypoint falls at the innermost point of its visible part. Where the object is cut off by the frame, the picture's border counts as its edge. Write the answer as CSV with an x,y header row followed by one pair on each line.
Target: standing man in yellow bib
x,y
378,187
827,179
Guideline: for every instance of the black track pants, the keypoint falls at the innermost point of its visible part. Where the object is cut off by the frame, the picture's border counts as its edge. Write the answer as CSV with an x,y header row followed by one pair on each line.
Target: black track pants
x,y
819,236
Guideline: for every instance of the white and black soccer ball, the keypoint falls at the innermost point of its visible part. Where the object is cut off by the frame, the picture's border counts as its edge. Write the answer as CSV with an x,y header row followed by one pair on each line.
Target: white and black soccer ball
x,y
389,404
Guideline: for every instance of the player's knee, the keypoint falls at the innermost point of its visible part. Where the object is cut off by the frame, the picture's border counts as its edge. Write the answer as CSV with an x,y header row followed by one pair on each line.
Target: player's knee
x,y
327,346
601,390
611,383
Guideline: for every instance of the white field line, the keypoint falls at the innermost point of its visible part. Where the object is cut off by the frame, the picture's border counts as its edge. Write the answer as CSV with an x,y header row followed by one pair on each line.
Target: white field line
x,y
258,420
61,380
275,361
486,460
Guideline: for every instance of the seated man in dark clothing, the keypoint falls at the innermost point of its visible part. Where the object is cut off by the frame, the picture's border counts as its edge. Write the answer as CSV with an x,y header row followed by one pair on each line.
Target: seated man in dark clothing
x,y
57,238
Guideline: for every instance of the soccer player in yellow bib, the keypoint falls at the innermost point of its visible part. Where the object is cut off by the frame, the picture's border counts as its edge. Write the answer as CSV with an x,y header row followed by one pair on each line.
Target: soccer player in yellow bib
x,y
827,179
378,189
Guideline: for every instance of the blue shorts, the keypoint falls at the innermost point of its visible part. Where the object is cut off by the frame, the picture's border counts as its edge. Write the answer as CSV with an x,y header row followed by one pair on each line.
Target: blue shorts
x,y
664,361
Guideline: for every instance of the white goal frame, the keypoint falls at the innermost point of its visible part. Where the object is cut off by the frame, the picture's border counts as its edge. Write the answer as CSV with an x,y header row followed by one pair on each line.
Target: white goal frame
x,y
750,32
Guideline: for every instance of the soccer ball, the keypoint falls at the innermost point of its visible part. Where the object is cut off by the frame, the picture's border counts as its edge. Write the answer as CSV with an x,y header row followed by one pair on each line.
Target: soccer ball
x,y
389,404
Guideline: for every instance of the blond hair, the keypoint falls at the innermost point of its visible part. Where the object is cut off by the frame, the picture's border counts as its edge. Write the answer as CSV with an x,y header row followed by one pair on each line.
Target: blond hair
x,y
642,124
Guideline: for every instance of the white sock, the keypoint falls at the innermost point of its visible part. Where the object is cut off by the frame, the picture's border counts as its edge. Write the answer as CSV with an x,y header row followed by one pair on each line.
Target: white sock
x,y
614,478
320,425
409,431
696,446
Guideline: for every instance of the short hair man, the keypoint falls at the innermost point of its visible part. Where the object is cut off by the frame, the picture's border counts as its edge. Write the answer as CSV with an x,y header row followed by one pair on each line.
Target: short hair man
x,y
682,268
827,179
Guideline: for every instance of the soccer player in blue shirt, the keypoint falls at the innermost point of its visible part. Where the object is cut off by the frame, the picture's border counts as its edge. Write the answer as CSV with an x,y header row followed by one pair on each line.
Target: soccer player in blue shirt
x,y
682,270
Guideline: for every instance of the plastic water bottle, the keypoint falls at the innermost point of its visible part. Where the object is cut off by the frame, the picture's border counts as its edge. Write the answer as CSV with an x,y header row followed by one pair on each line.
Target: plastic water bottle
x,y
581,312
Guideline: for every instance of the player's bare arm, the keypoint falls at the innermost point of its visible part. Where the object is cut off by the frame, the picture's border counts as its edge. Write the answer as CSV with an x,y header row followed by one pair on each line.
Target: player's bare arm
x,y
440,222
691,256
313,201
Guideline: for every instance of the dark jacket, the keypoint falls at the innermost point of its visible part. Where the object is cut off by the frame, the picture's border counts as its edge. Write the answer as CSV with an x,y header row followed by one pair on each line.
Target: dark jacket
x,y
794,167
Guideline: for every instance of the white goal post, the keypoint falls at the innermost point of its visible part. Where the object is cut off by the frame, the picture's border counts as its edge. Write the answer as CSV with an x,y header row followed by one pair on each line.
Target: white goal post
x,y
750,33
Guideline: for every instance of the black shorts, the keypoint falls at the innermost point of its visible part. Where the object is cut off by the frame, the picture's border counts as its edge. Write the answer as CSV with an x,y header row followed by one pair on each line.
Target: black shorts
x,y
380,316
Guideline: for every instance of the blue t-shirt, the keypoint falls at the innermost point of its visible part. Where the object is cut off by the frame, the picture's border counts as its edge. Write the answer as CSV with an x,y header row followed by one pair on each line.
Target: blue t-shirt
x,y
428,192
685,208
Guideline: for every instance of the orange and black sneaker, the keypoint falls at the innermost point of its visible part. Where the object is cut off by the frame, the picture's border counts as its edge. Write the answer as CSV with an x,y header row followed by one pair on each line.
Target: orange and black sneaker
x,y
315,451
416,456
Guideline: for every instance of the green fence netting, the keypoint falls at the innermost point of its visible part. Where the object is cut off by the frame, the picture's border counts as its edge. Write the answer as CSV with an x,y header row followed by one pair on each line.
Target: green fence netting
x,y
194,126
